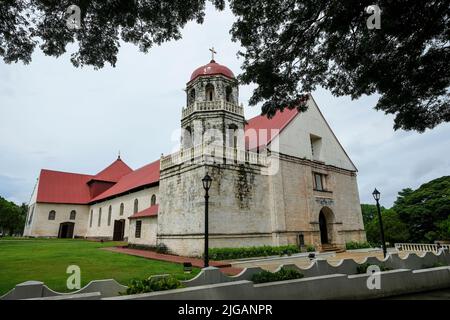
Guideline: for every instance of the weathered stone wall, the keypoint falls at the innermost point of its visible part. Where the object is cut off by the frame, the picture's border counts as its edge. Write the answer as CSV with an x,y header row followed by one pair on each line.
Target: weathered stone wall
x,y
238,214
220,83
148,231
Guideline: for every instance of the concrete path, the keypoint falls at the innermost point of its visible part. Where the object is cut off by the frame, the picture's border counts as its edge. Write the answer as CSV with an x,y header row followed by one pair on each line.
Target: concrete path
x,y
198,263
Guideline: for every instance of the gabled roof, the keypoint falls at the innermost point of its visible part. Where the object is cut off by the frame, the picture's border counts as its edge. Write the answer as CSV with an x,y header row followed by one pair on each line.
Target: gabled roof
x,y
149,212
113,172
267,129
146,175
63,187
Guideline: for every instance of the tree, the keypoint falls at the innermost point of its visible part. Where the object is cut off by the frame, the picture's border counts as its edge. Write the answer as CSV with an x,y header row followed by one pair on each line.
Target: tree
x,y
12,217
293,46
395,230
426,210
26,23
290,46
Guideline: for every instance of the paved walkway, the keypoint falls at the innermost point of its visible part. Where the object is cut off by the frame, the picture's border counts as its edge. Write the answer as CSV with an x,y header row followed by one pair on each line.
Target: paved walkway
x,y
198,263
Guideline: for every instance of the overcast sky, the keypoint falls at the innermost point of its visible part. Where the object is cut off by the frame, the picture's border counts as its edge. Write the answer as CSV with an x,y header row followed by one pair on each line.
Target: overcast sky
x,y
55,116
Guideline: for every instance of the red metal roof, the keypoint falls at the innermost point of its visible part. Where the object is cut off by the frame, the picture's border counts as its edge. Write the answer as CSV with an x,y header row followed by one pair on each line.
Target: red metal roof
x,y
146,175
113,172
149,212
265,129
212,68
63,187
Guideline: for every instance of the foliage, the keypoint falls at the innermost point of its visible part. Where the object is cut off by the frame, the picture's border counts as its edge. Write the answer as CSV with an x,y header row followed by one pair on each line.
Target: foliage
x,y
31,260
362,268
247,252
310,248
281,275
12,217
357,245
395,230
292,47
426,210
149,285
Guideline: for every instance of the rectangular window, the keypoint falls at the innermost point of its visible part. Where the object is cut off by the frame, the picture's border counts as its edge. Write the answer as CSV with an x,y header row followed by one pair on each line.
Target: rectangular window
x,y
316,146
138,229
90,221
318,182
99,217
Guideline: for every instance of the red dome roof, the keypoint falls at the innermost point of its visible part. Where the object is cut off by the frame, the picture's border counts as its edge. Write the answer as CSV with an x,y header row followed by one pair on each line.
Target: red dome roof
x,y
212,68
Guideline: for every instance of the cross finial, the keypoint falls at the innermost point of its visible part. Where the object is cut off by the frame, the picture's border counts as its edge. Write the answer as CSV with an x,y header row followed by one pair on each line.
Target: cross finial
x,y
212,53
118,156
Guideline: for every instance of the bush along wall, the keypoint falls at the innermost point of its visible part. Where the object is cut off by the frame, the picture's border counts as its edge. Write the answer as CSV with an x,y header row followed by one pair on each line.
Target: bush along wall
x,y
249,252
357,245
281,275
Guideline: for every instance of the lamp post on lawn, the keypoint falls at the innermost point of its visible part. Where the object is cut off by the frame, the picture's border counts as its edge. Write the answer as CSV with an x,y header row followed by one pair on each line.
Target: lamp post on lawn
x,y
376,195
206,185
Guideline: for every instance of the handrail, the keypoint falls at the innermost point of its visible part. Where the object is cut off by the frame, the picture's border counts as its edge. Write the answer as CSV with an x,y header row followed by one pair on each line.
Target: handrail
x,y
421,247
212,106
203,152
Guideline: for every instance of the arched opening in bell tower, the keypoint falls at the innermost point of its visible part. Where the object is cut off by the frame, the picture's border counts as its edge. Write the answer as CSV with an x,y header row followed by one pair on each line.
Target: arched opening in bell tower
x,y
209,92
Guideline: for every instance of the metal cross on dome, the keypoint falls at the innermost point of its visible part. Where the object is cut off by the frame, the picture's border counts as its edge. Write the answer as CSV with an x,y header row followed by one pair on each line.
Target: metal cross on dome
x,y
212,53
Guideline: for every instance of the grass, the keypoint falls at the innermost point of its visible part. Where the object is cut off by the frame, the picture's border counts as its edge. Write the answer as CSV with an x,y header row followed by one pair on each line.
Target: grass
x,y
46,260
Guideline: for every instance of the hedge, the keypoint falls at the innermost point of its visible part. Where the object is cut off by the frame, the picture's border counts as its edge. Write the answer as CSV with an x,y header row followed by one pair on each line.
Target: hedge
x,y
281,275
357,245
249,252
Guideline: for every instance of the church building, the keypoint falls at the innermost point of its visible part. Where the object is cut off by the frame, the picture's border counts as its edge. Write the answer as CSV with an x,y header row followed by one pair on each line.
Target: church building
x,y
284,180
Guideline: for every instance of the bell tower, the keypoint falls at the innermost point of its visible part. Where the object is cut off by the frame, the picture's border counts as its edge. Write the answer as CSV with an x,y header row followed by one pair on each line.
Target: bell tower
x,y
212,114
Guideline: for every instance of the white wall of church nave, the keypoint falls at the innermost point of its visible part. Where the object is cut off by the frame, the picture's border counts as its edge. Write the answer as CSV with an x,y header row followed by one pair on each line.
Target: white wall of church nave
x,y
41,226
105,230
149,229
295,139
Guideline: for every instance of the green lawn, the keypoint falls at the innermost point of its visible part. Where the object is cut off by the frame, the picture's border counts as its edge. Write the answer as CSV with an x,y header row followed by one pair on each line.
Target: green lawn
x,y
46,260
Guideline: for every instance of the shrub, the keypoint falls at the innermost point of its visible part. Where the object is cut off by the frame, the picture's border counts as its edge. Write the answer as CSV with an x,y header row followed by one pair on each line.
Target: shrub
x,y
153,284
310,248
281,275
159,248
362,268
352,245
248,252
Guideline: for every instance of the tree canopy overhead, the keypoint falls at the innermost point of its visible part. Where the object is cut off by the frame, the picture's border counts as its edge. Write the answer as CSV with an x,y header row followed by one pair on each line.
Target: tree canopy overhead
x,y
290,47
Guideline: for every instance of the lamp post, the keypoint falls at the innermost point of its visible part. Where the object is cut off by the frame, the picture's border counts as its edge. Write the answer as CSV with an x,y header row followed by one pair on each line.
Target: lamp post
x,y
376,195
206,185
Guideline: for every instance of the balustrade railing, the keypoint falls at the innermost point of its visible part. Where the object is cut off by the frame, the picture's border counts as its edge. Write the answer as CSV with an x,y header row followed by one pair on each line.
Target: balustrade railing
x,y
212,106
213,153
420,247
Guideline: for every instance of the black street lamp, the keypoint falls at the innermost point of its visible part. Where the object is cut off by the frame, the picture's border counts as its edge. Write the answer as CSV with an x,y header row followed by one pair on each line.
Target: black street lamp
x,y
376,195
207,180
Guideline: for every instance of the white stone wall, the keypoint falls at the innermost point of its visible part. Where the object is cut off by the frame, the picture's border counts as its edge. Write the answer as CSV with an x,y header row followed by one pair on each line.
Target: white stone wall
x,y
105,230
295,139
148,231
42,227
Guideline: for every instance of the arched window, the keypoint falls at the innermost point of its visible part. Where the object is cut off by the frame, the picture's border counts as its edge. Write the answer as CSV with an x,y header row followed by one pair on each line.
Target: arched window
x,y
73,215
52,215
232,135
187,138
122,208
191,96
229,94
99,217
109,215
136,206
90,220
153,201
209,91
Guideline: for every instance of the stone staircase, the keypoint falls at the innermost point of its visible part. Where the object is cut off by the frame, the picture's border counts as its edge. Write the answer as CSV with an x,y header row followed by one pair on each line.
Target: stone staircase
x,y
327,247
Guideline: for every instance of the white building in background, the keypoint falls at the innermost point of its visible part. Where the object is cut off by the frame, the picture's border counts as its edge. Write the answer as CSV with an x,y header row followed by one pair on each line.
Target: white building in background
x,y
286,180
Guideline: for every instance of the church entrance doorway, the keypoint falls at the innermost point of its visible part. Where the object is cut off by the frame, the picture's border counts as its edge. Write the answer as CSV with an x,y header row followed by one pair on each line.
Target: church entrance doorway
x,y
119,230
323,228
66,230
